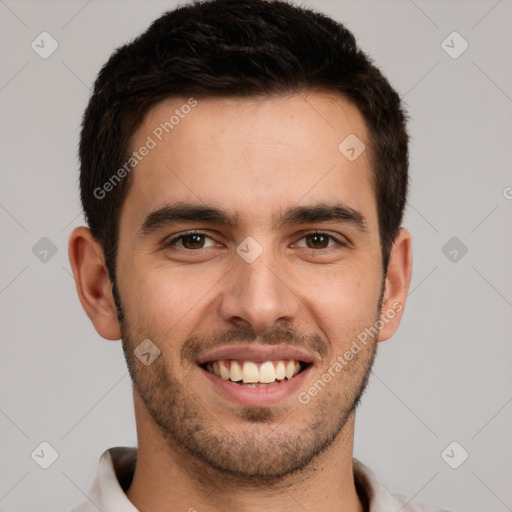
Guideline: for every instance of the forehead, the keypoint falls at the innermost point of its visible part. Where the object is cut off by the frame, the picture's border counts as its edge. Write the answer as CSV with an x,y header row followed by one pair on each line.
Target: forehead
x,y
254,155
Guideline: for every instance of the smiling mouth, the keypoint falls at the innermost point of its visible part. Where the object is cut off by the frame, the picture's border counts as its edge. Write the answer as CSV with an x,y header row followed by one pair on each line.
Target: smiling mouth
x,y
252,374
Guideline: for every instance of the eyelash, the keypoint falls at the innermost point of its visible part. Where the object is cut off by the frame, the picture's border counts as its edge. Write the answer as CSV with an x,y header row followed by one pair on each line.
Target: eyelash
x,y
172,242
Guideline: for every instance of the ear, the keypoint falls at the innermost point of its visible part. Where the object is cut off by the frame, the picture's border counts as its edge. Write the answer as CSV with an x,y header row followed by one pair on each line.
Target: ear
x,y
396,284
93,283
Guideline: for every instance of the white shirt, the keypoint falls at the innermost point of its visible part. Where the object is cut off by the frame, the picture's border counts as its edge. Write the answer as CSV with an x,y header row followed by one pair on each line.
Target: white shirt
x,y
117,466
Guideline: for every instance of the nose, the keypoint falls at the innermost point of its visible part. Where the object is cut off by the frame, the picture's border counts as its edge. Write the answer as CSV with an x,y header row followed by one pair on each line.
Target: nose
x,y
258,294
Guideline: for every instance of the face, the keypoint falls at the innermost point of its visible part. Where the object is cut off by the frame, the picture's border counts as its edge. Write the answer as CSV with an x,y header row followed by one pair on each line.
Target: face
x,y
249,249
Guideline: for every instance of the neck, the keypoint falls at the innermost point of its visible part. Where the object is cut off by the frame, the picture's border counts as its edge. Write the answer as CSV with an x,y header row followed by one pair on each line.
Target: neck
x,y
168,478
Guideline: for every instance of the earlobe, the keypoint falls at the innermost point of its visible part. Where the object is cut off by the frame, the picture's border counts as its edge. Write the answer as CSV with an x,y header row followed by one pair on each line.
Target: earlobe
x,y
396,285
92,282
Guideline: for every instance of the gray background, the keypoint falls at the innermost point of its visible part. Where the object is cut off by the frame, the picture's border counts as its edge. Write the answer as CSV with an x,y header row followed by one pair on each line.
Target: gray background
x,y
446,376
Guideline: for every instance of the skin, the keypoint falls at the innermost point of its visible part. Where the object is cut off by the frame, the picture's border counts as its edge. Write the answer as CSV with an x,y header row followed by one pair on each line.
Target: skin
x,y
253,158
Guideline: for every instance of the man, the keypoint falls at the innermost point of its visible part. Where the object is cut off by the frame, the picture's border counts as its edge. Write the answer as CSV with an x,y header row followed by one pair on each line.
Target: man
x,y
244,172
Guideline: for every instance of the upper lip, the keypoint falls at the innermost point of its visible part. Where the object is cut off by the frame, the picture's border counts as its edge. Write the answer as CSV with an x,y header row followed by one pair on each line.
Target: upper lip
x,y
257,354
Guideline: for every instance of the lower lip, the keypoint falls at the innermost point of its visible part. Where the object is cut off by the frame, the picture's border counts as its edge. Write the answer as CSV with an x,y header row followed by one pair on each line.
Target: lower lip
x,y
257,396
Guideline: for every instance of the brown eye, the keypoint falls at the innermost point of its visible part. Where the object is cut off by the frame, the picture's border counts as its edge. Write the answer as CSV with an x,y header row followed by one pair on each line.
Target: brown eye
x,y
190,241
193,241
317,241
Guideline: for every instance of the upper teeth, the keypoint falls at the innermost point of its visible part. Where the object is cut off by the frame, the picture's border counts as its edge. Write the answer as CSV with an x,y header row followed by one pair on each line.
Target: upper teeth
x,y
250,372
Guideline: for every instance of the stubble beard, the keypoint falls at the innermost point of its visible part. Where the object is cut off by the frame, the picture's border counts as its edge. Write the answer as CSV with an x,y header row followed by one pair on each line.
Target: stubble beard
x,y
251,454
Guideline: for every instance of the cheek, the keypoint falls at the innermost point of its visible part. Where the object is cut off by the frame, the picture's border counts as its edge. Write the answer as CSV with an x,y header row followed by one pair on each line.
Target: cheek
x,y
343,304
162,299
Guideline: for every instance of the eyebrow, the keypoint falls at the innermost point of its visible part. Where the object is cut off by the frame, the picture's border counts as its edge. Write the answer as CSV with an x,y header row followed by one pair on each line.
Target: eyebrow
x,y
190,212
